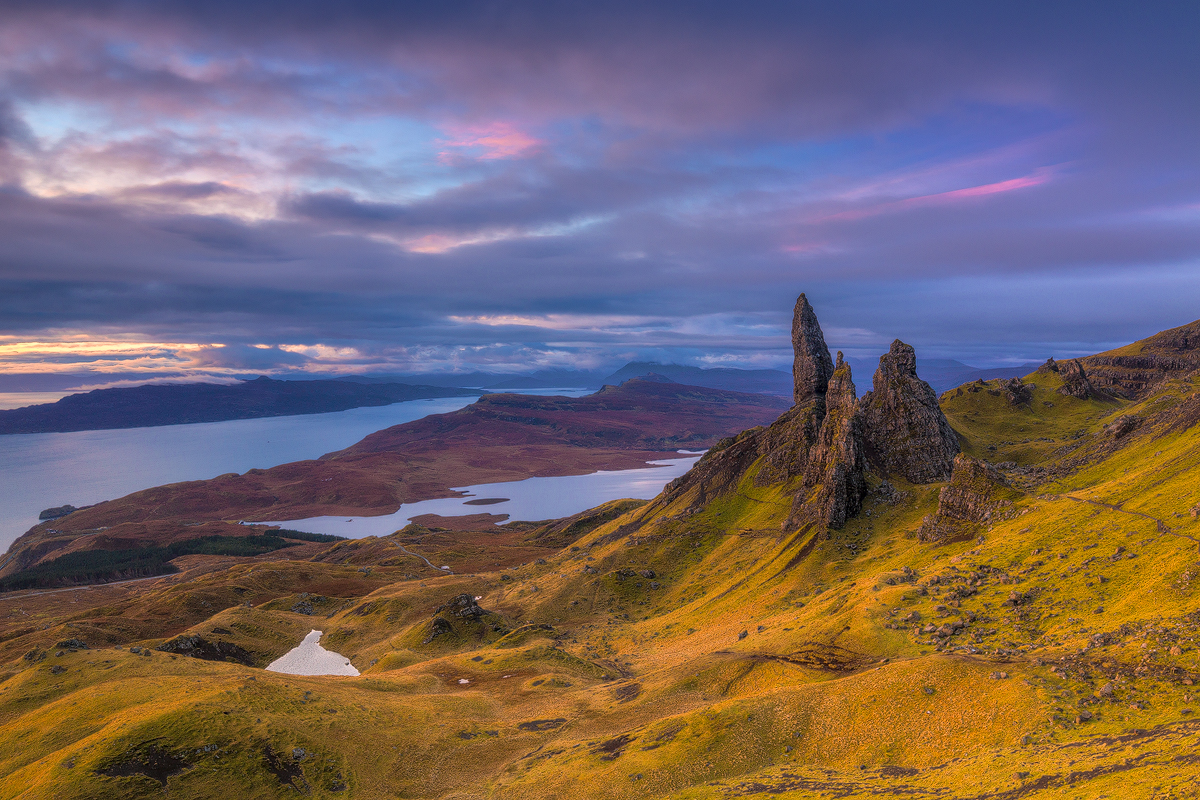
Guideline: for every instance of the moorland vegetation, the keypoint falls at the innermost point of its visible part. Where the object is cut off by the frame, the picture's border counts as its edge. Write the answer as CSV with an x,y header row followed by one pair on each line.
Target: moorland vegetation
x,y
991,594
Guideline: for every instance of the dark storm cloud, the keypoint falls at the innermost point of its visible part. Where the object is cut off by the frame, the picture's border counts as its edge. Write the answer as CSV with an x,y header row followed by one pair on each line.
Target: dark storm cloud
x,y
558,180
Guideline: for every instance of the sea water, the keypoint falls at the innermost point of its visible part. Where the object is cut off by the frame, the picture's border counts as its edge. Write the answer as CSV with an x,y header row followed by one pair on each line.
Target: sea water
x,y
43,470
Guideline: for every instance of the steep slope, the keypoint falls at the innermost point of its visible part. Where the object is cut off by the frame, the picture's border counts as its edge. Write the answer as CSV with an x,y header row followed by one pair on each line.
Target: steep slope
x,y
1135,370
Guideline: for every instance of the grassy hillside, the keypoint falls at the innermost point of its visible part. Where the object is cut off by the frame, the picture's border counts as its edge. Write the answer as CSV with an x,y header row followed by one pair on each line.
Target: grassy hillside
x,y
668,652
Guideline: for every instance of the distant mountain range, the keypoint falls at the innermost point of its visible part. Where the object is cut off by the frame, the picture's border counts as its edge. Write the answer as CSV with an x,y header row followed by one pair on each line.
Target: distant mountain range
x,y
174,404
940,373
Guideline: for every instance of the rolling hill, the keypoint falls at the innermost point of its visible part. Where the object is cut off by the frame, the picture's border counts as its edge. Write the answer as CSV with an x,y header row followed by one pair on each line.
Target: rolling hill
x,y
991,594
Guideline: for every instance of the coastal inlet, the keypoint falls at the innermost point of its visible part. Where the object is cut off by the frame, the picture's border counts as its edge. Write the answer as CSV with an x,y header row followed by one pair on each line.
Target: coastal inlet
x,y
531,499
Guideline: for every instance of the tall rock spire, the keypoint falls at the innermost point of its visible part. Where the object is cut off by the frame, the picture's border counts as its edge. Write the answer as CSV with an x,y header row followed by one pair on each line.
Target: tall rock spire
x,y
811,367
836,463
905,430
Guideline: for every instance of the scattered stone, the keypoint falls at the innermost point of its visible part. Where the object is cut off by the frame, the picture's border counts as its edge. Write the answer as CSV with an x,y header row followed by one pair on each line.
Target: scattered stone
x,y
57,669
743,635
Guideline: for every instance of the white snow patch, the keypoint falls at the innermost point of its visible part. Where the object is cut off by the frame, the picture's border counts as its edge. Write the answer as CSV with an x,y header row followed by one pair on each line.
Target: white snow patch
x,y
309,658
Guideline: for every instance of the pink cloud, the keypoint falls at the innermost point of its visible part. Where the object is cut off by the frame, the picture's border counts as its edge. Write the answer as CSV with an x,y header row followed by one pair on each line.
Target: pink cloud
x,y
1036,178
489,142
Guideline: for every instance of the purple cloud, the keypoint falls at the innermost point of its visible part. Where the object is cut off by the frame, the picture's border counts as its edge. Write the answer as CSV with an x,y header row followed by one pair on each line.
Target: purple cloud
x,y
400,183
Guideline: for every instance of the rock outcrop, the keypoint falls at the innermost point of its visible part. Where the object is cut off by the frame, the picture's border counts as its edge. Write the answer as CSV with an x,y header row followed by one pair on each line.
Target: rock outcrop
x,y
973,496
1015,390
811,366
1074,378
1136,370
905,431
821,447
462,606
201,648
836,465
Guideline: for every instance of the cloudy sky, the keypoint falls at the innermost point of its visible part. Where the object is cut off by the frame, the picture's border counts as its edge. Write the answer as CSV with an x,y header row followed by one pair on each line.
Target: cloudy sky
x,y
224,188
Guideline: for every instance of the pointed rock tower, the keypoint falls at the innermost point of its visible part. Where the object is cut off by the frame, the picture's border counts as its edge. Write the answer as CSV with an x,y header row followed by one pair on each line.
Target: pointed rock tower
x,y
905,431
819,450
836,465
811,365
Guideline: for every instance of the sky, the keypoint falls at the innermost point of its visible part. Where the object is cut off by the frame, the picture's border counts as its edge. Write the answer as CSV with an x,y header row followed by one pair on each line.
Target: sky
x,y
217,189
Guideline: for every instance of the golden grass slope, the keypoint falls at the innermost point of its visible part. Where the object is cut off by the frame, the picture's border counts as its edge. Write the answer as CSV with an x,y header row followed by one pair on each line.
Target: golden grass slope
x,y
694,655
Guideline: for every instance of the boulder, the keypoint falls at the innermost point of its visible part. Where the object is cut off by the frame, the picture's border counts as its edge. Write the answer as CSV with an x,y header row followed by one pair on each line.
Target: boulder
x,y
904,429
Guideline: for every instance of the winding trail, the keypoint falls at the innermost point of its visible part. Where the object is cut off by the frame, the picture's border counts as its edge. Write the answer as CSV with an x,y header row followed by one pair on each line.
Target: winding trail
x,y
17,595
1161,526
445,570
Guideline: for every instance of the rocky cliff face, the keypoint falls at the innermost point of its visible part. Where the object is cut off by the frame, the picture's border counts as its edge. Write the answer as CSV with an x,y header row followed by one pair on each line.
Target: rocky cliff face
x,y
1136,370
822,446
905,431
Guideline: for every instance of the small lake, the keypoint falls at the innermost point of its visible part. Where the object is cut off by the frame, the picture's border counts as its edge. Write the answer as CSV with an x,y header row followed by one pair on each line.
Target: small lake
x,y
530,499
43,470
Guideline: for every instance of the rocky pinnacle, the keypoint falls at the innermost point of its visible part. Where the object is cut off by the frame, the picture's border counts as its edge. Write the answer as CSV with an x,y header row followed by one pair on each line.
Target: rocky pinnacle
x,y
905,429
812,367
836,464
